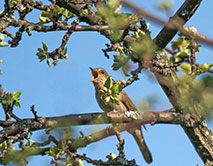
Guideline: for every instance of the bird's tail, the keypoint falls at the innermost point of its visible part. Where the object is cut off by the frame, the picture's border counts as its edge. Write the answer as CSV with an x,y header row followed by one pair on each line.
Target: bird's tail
x,y
138,136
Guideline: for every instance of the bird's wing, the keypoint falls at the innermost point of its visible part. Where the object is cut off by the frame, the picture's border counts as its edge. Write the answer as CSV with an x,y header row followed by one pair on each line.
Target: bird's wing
x,y
124,98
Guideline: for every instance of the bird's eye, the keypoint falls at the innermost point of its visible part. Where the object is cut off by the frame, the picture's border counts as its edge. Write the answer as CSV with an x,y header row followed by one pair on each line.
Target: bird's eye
x,y
102,72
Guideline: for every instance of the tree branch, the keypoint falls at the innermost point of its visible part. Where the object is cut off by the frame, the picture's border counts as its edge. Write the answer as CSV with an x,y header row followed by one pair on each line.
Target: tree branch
x,y
183,14
168,116
196,129
174,24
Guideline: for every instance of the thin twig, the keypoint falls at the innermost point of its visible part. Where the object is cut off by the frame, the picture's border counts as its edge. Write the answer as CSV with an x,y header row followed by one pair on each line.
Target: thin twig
x,y
32,109
50,139
84,157
65,39
133,78
18,37
144,13
8,34
192,57
170,50
10,110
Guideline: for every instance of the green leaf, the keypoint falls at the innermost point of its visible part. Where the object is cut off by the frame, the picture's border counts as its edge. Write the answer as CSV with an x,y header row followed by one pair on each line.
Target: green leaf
x,y
16,95
108,83
64,51
42,19
3,145
29,139
17,104
207,80
58,10
44,46
165,5
120,60
67,13
205,67
9,98
41,55
48,62
111,155
115,35
1,37
116,88
45,14
181,54
175,59
52,150
115,100
197,50
186,68
13,2
144,47
115,5
3,44
174,45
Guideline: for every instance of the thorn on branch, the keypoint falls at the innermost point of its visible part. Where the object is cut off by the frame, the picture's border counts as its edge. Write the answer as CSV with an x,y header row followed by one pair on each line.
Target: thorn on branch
x,y
82,134
47,130
32,109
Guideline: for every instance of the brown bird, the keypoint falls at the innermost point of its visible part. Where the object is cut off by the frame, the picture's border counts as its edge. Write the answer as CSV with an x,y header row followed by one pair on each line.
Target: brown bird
x,y
99,76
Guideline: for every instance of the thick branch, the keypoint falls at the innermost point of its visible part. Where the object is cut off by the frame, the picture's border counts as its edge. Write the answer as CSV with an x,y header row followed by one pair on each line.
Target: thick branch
x,y
175,23
197,131
169,117
46,28
183,14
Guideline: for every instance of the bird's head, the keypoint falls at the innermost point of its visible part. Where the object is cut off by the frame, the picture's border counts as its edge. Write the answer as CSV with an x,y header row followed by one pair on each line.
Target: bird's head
x,y
99,76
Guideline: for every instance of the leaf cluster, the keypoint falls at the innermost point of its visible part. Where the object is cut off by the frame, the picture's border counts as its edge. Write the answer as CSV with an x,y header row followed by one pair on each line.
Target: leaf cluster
x,y
121,60
110,91
182,48
10,98
44,54
143,47
116,20
196,92
182,52
187,68
165,5
54,13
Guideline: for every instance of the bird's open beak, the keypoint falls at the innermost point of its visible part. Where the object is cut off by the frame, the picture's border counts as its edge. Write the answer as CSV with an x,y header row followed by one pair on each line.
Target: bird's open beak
x,y
94,74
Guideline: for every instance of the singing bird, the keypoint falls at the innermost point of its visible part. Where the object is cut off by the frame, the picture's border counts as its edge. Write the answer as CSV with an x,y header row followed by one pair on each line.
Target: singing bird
x,y
99,77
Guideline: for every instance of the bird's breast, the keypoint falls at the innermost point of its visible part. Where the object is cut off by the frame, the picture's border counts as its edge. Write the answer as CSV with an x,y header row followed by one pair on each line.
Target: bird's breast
x,y
107,107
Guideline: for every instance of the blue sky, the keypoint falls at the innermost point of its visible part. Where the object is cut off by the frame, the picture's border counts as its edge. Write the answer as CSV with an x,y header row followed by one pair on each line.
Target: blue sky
x,y
66,88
